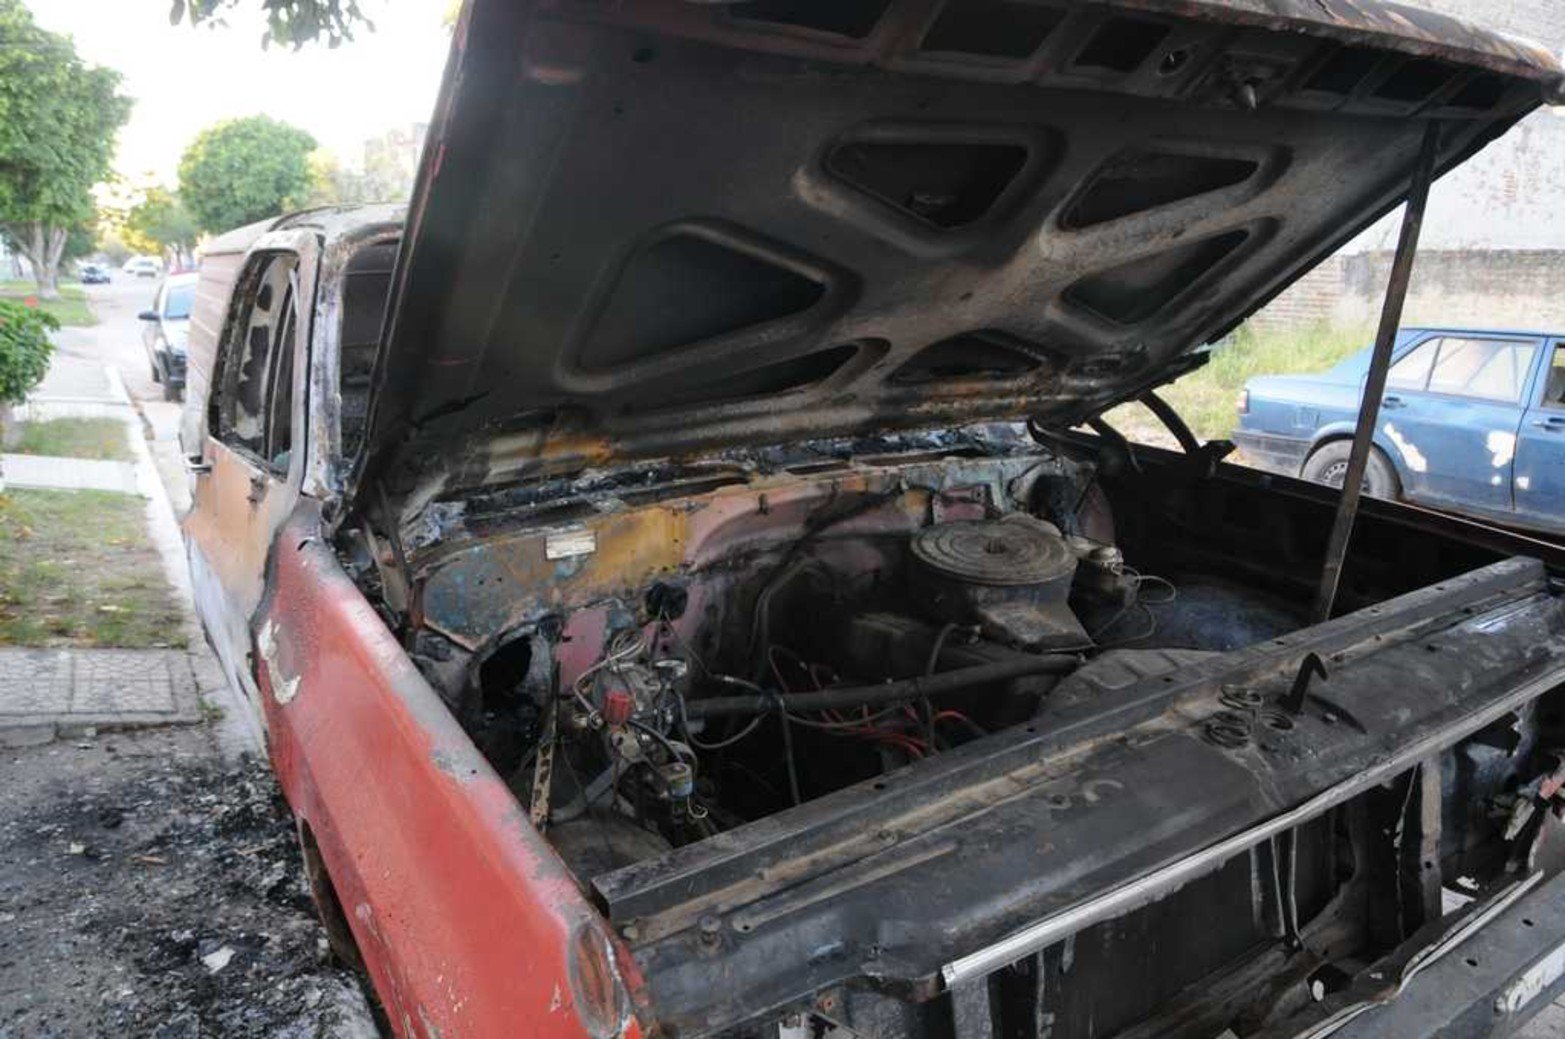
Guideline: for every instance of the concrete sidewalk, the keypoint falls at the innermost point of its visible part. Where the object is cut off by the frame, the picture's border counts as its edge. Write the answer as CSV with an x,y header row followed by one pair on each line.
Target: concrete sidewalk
x,y
76,388
49,692
68,474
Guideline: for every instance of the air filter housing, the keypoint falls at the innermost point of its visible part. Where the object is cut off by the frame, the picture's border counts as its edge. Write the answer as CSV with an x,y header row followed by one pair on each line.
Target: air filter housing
x,y
1011,578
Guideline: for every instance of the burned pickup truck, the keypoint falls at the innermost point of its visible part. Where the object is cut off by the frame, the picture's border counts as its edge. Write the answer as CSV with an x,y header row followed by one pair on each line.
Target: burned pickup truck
x,y
690,589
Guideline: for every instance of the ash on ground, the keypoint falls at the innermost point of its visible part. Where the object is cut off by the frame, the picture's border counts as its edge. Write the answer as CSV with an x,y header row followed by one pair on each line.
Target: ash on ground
x,y
148,888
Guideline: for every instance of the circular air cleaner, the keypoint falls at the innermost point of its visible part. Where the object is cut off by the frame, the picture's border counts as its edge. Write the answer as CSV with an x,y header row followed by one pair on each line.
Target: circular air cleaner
x,y
994,553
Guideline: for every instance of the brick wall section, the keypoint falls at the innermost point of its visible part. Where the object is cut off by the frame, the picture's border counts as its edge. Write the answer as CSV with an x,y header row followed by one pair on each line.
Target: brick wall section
x,y
1314,298
1496,288
1470,288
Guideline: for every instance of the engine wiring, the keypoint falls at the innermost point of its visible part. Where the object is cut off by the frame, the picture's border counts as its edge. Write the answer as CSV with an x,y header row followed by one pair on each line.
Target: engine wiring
x,y
793,560
869,726
836,723
907,731
1137,602
625,646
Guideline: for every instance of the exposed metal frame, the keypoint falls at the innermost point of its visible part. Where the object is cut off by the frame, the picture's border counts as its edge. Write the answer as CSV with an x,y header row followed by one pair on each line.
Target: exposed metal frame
x,y
1146,889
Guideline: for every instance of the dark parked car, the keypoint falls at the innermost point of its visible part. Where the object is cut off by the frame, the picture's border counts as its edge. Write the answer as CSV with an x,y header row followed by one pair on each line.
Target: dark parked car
x,y
94,274
1472,421
165,329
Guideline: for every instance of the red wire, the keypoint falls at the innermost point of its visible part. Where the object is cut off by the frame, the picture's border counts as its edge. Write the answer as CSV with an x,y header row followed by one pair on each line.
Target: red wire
x,y
908,744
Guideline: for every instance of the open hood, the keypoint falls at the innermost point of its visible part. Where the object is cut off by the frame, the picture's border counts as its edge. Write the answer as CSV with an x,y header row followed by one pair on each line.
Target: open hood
x,y
658,229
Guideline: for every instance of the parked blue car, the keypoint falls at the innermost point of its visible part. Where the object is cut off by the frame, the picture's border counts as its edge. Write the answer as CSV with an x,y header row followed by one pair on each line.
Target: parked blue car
x,y
1472,421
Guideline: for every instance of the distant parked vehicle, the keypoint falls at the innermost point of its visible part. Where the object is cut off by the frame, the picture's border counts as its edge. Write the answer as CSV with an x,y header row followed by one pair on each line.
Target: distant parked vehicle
x,y
165,330
143,267
1472,421
94,274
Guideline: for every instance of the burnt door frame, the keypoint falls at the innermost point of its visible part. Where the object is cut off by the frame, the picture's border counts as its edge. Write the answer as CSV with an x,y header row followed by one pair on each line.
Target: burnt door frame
x,y
242,496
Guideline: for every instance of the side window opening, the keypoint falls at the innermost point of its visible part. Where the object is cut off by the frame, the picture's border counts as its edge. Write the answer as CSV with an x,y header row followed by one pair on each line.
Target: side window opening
x,y
252,409
1412,371
279,418
1487,369
1490,369
366,284
1554,380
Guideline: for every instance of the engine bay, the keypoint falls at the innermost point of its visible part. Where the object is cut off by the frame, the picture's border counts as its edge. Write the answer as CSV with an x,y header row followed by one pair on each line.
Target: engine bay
x,y
834,626
806,714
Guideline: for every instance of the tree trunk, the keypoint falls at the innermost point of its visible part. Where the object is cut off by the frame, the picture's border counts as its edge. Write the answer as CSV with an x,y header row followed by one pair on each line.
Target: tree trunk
x,y
49,278
43,246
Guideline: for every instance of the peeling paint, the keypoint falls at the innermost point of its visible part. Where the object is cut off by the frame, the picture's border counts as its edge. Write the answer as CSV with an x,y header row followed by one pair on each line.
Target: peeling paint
x,y
1501,446
1410,453
284,688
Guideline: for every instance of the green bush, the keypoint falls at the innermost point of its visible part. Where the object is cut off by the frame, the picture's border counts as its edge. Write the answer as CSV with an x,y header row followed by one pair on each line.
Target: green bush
x,y
24,349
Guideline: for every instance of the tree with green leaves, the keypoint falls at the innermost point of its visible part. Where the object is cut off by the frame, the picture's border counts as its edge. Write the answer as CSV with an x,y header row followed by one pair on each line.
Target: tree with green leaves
x,y
290,22
243,170
58,118
161,223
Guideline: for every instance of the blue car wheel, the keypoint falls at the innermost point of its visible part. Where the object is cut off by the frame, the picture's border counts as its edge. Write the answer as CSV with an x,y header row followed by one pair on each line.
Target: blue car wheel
x,y
1329,465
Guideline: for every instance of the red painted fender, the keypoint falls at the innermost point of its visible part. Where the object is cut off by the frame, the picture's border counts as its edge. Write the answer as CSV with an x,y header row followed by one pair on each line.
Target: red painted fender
x,y
469,924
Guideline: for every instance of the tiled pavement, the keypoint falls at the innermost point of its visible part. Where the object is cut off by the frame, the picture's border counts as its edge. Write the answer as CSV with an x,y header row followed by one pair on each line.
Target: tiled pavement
x,y
41,689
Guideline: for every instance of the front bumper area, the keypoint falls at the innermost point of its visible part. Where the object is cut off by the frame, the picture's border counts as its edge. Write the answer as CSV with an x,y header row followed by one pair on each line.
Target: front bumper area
x,y
1486,986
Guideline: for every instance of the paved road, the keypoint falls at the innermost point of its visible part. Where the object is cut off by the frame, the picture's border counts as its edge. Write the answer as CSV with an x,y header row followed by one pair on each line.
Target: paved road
x,y
116,340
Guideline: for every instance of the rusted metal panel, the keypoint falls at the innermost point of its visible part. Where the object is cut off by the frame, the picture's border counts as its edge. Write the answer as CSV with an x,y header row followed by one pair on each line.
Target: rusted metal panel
x,y
1371,23
488,586
731,283
468,923
233,532
214,289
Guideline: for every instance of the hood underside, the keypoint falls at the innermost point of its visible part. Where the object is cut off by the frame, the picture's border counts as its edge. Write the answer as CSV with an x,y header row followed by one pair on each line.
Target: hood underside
x,y
656,229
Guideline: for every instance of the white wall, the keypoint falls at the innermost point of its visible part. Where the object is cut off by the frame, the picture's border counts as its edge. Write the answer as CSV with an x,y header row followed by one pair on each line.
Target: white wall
x,y
1512,194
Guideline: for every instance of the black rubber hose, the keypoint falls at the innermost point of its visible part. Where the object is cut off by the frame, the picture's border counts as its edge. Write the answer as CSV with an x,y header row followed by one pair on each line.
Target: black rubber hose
x,y
943,684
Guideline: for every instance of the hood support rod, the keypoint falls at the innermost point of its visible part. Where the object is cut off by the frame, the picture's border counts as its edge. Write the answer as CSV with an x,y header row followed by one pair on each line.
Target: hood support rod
x,y
1379,366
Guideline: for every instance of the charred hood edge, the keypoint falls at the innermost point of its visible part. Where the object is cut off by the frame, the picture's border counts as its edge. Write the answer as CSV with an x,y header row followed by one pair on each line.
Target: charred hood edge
x,y
657,229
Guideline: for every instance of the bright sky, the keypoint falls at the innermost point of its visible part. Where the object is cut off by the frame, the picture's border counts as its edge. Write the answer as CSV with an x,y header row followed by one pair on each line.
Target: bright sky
x,y
185,79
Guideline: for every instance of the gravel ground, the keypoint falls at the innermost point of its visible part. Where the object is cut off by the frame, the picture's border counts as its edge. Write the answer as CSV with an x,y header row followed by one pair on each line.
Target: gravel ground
x,y
148,888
